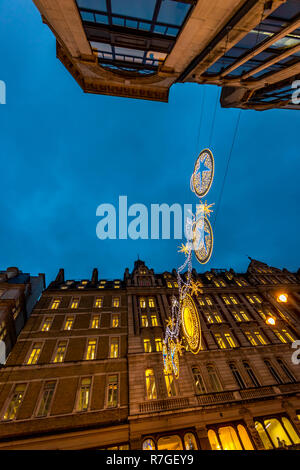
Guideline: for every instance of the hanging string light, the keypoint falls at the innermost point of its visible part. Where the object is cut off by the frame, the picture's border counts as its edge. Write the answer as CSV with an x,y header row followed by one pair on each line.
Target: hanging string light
x,y
183,330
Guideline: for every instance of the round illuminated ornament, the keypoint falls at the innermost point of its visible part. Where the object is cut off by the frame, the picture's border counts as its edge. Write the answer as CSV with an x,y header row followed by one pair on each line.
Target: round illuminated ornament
x,y
203,240
191,324
203,173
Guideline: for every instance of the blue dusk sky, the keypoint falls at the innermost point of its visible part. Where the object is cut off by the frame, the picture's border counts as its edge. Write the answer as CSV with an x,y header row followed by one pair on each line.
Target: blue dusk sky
x,y
64,152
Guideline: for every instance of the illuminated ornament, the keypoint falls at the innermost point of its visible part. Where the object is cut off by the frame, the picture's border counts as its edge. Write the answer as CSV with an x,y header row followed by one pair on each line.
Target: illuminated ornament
x,y
184,316
203,173
191,324
282,298
270,321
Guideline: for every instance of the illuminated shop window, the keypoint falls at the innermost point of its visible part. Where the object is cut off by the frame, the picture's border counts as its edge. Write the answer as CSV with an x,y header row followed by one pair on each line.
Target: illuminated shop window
x,y
47,394
170,385
190,441
91,350
144,320
55,304
116,302
147,345
154,320
69,323
35,353
95,321
15,402
169,443
214,443
276,432
214,379
151,302
75,303
115,320
99,302
148,444
198,381
142,302
84,394
290,429
245,438
60,351
158,344
46,325
150,385
114,348
112,391
229,439
263,435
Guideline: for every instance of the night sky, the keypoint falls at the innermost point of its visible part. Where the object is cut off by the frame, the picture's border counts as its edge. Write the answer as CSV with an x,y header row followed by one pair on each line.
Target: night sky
x,y
64,152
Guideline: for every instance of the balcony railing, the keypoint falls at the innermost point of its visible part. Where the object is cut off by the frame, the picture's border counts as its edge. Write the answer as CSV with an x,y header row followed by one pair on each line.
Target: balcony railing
x,y
163,405
214,398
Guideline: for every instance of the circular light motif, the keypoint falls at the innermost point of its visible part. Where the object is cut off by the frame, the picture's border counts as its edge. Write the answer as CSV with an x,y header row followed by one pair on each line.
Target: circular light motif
x,y
282,298
203,240
191,324
203,173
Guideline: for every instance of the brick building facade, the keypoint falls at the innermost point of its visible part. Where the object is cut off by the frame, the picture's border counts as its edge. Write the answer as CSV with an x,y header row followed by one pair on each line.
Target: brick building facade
x,y
87,369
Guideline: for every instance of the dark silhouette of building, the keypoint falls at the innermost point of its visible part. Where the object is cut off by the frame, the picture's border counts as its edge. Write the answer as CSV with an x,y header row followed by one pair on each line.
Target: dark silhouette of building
x,y
139,49
87,370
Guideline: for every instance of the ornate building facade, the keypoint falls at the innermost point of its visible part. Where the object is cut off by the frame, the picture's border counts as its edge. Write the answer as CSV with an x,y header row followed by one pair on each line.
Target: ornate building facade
x,y
87,370
18,295
139,49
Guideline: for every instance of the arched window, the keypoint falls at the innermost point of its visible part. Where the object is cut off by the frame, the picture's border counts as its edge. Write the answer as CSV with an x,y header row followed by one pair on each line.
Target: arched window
x,y
169,443
150,384
198,380
237,375
276,432
229,439
251,374
263,435
170,385
148,444
286,370
290,429
142,302
244,438
190,441
213,440
273,371
213,378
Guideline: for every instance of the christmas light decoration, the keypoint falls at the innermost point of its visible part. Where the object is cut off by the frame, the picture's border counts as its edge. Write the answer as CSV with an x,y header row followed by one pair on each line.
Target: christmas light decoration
x,y
184,315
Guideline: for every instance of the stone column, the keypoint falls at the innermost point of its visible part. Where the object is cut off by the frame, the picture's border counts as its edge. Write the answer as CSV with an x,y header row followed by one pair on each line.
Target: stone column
x,y
248,418
203,438
135,443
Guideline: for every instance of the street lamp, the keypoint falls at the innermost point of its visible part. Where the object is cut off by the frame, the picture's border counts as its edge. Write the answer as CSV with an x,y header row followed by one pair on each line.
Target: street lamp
x,y
270,321
282,298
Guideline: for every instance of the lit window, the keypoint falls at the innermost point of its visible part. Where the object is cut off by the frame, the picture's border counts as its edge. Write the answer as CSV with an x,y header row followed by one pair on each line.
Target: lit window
x,y
150,385
142,302
209,317
154,320
151,302
238,282
84,394
46,325
250,338
3,331
114,348
218,317
245,315
112,391
35,352
276,432
263,435
116,302
250,299
200,300
198,380
75,303
213,440
15,402
257,299
46,399
230,340
289,336
208,300
148,444
60,351
84,282
95,321
226,300
91,350
170,385
216,283
280,336
144,320
147,345
236,315
69,323
229,439
115,320
260,338
158,344
99,302
55,303
223,283
220,341
175,284
233,299
169,284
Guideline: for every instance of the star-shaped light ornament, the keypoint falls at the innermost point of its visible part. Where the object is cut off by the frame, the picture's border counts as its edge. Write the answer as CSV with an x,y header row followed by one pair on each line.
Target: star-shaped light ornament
x,y
195,288
204,209
184,248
